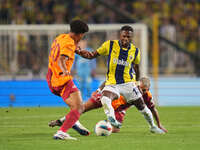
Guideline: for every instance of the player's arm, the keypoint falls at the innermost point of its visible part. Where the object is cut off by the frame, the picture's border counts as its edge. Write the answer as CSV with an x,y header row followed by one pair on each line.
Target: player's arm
x,y
136,64
62,64
86,54
156,116
137,71
102,50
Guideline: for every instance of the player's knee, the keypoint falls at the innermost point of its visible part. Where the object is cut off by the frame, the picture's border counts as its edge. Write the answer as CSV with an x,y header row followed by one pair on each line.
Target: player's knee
x,y
77,106
145,111
110,95
139,104
105,100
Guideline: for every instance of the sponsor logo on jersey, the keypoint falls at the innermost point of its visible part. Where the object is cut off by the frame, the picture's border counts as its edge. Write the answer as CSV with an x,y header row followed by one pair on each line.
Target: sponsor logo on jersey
x,y
120,62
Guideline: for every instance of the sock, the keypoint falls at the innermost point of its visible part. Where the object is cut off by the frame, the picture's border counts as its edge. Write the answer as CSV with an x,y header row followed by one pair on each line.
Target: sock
x,y
62,119
77,123
107,105
148,116
70,119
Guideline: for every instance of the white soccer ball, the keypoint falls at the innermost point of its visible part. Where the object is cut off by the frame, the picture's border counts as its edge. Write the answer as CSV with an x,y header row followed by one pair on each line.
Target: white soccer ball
x,y
103,128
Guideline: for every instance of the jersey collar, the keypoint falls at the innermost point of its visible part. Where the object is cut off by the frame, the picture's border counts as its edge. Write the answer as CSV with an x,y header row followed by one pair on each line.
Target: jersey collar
x,y
119,42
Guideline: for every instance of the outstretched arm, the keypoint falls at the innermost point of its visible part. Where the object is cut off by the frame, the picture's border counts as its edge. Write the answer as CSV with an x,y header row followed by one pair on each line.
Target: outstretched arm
x,y
87,54
156,116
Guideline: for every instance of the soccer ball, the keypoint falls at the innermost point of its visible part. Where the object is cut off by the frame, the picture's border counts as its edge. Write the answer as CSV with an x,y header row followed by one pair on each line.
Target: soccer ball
x,y
103,128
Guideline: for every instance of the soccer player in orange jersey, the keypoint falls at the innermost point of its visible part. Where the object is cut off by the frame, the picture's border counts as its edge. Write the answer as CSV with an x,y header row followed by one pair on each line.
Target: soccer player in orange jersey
x,y
120,106
59,78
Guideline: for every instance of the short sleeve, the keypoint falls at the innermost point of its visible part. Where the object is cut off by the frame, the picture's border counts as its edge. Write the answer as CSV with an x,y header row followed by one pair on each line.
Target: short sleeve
x,y
151,101
67,49
149,95
104,49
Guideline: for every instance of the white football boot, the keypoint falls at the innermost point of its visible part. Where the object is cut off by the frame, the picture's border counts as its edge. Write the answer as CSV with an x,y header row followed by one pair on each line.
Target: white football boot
x,y
60,135
114,122
156,130
81,129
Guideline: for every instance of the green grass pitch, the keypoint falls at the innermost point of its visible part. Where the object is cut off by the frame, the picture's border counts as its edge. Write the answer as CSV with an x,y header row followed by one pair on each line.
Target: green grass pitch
x,y
27,129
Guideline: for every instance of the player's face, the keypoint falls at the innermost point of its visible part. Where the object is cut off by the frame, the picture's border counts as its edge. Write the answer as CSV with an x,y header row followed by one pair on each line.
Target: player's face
x,y
126,38
143,89
79,37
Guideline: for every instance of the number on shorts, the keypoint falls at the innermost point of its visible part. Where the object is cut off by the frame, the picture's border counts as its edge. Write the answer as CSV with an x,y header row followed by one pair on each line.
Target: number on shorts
x,y
136,92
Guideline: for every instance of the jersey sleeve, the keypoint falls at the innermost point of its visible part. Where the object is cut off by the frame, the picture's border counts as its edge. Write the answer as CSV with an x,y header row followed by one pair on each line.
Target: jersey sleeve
x,y
118,102
67,49
137,56
149,95
151,102
104,49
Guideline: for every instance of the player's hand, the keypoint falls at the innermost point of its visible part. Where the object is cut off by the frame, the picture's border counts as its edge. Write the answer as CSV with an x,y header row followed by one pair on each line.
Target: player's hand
x,y
64,73
78,50
85,53
96,95
162,128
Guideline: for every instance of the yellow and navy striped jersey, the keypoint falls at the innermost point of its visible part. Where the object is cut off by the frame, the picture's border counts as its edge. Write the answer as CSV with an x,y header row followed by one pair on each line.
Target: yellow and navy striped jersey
x,y
120,61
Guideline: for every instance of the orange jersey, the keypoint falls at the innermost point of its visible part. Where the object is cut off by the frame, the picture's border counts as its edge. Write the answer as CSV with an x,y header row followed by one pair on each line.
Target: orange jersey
x,y
148,99
62,45
118,102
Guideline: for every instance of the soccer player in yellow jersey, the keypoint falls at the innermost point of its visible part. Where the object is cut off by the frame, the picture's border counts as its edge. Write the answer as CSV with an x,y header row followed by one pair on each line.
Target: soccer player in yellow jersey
x,y
123,65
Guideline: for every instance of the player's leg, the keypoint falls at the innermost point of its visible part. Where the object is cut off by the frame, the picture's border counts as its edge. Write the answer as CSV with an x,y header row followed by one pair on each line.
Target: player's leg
x,y
80,129
76,108
93,103
141,106
77,126
119,114
106,101
57,122
133,96
89,105
72,97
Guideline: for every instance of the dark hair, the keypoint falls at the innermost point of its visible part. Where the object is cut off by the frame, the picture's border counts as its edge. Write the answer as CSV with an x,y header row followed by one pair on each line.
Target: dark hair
x,y
78,26
126,28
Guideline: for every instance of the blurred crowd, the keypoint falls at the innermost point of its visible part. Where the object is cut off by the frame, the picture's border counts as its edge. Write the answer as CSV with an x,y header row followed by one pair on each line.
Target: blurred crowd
x,y
178,20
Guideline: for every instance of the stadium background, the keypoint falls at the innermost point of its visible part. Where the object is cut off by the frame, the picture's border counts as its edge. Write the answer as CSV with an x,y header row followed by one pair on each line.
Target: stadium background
x,y
178,81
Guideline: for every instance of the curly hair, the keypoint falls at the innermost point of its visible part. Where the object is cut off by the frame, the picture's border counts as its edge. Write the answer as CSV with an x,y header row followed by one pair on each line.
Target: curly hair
x,y
78,26
126,28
